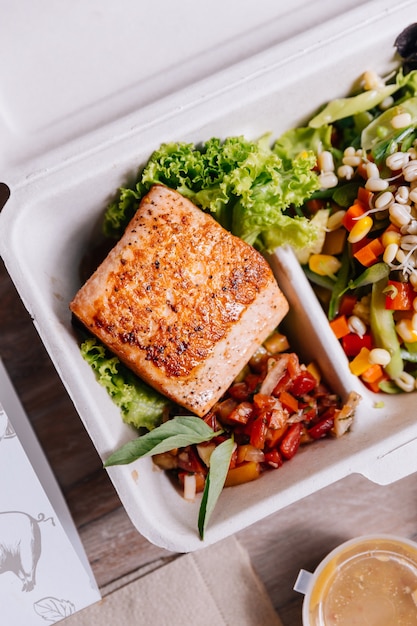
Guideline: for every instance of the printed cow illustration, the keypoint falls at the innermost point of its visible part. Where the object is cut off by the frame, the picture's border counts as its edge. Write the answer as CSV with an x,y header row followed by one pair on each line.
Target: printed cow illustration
x,y
20,545
6,429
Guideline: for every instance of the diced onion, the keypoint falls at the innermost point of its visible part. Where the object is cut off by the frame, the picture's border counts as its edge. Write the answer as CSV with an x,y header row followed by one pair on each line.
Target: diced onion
x,y
190,487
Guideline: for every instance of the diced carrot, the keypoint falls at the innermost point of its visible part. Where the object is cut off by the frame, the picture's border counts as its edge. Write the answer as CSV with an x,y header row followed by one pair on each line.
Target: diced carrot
x,y
339,326
369,253
288,401
375,385
242,474
361,171
365,197
392,227
353,213
372,374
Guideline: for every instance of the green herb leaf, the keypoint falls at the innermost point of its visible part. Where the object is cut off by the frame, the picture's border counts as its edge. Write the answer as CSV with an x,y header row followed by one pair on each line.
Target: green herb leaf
x,y
219,465
345,194
177,432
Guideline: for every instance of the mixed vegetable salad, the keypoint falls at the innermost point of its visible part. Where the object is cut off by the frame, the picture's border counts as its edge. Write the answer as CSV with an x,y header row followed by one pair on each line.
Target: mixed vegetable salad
x,y
366,271
342,191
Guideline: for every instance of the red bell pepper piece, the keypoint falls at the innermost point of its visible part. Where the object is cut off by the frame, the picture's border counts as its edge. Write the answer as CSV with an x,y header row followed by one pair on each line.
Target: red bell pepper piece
x,y
352,343
401,297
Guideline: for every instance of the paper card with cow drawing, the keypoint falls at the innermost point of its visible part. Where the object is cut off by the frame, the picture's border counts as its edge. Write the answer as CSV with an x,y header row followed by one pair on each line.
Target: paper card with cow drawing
x,y
44,573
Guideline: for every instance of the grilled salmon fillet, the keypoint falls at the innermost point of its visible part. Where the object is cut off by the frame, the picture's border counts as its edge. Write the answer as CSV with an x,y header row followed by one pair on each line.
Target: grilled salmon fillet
x,y
181,301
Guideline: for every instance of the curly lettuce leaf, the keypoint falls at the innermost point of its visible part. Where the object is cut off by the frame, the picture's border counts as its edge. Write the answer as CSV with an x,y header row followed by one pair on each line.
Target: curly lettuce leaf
x,y
140,405
296,141
307,236
120,211
246,185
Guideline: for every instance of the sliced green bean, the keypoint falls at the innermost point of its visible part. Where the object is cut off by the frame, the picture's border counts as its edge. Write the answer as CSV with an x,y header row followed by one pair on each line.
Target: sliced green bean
x,y
320,281
339,287
371,275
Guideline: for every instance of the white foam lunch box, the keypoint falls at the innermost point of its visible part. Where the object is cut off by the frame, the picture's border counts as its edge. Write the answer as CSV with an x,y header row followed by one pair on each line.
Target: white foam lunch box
x,y
69,140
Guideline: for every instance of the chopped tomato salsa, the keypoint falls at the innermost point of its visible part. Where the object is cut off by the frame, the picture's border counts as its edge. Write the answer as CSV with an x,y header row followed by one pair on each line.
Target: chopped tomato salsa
x,y
275,407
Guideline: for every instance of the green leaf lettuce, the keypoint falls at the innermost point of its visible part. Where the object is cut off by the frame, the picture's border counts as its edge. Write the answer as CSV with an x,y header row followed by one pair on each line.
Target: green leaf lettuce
x,y
140,405
246,185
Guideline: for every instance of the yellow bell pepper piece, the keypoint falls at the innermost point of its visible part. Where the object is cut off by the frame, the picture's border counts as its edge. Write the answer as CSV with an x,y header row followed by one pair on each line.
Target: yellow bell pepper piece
x,y
361,362
242,474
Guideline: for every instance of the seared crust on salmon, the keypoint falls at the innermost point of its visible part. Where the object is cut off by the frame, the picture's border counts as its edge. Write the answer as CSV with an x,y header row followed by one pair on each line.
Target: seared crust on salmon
x,y
181,301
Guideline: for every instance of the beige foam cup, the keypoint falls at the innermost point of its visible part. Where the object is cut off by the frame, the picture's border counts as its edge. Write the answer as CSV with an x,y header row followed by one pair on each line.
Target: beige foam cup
x,y
366,581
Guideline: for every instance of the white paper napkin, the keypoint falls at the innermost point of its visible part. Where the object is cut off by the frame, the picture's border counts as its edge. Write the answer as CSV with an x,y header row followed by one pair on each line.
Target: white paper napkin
x,y
216,586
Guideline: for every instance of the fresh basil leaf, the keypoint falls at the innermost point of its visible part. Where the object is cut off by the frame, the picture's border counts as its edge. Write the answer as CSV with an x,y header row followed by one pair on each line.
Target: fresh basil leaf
x,y
344,195
219,466
177,432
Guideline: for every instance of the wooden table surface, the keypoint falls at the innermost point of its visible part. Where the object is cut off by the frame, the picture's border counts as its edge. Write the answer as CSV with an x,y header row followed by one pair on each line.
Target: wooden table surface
x,y
296,537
